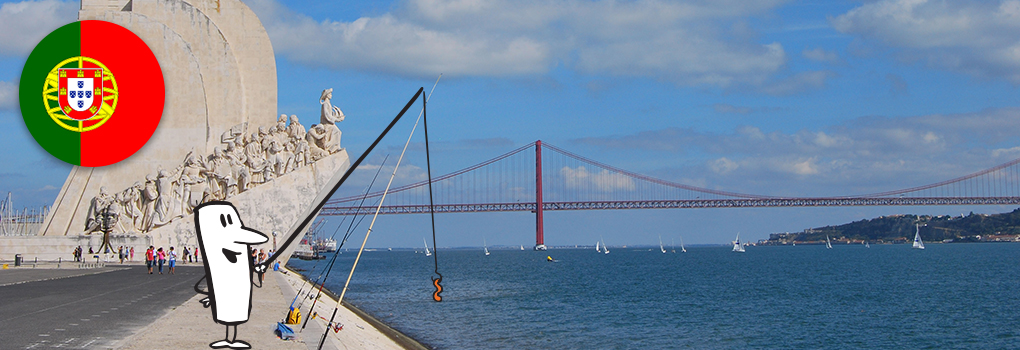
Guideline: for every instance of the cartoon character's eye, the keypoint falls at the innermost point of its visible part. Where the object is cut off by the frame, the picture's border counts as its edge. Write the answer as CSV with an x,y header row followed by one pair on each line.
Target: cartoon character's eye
x,y
229,221
223,220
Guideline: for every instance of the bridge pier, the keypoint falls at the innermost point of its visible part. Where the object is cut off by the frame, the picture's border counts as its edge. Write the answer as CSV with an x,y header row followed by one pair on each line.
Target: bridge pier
x,y
539,234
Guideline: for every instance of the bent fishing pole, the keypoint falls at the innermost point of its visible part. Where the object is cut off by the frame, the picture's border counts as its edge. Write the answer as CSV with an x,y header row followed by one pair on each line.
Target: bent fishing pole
x,y
333,184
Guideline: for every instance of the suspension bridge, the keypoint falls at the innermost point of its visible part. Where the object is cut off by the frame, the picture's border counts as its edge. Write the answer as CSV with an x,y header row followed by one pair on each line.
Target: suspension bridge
x,y
515,181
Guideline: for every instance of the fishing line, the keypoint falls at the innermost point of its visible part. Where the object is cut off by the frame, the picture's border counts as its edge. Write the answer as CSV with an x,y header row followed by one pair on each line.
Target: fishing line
x,y
432,210
329,267
378,208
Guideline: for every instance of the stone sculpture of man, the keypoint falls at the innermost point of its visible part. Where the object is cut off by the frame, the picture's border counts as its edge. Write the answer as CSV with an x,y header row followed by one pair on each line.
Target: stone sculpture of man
x,y
296,130
94,216
330,114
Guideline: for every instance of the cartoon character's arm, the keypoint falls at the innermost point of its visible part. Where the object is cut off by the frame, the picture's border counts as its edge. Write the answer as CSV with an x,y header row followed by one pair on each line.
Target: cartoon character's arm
x,y
205,301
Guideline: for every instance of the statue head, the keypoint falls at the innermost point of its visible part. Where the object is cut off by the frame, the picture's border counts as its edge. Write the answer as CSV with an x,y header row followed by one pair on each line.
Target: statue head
x,y
102,191
138,185
150,178
254,137
262,130
163,173
326,95
293,119
282,119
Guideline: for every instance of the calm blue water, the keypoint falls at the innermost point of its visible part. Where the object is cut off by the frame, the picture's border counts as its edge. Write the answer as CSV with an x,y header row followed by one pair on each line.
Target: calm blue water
x,y
805,297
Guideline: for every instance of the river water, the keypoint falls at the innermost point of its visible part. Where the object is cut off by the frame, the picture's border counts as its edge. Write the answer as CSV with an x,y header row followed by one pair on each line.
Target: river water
x,y
804,297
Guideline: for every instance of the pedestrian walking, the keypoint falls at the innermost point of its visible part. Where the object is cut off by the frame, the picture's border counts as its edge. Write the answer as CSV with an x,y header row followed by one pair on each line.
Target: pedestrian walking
x,y
184,258
132,257
149,256
172,259
161,257
120,254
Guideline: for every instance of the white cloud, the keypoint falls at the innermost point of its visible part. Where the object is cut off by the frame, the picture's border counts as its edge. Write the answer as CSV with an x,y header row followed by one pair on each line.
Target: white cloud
x,y
806,167
688,43
981,38
724,165
8,95
603,181
865,155
24,24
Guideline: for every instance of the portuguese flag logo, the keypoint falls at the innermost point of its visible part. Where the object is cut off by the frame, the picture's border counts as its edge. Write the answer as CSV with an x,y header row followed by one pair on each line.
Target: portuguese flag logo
x,y
91,93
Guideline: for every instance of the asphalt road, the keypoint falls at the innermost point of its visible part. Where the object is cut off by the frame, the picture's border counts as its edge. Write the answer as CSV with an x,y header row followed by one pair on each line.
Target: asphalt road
x,y
91,311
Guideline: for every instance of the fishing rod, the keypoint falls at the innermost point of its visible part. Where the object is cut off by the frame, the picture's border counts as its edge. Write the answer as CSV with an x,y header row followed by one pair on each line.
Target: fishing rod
x,y
329,267
378,208
333,184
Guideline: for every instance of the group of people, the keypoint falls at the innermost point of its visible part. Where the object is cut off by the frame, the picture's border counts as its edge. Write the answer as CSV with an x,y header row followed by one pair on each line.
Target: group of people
x,y
245,159
260,256
156,258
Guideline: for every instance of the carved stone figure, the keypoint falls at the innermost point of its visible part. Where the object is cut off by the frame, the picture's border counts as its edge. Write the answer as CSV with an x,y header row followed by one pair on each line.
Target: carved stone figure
x,y
164,203
238,169
149,195
194,184
131,201
330,114
255,158
95,212
296,130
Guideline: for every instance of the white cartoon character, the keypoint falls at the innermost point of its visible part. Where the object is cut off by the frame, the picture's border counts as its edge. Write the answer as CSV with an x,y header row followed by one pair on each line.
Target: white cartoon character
x,y
226,251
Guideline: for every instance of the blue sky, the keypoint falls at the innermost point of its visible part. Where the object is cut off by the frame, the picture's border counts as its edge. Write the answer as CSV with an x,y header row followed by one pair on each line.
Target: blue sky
x,y
791,98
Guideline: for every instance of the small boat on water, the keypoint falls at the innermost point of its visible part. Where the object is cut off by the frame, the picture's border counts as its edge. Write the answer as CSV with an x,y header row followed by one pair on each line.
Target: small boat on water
x,y
304,251
828,243
660,245
486,247
737,247
522,247
672,245
605,248
597,249
427,252
918,244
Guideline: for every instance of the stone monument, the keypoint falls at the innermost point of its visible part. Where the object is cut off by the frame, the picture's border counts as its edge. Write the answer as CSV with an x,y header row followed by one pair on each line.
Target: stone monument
x,y
218,139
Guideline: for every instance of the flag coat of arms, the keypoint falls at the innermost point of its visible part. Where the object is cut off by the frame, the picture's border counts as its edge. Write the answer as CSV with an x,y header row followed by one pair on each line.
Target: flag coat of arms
x,y
92,93
81,92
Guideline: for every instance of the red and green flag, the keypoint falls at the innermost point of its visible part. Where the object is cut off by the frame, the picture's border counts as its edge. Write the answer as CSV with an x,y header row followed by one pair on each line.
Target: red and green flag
x,y
92,93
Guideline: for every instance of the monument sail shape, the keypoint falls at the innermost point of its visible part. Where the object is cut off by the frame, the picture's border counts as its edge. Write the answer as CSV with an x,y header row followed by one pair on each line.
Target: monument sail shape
x,y
219,137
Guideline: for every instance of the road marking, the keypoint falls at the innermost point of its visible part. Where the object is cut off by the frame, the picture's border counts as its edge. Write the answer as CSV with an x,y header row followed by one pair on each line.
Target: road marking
x,y
85,319
44,335
74,324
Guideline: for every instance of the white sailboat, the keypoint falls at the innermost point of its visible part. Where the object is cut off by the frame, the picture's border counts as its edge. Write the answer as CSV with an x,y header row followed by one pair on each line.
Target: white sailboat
x,y
737,247
597,249
427,252
522,247
828,243
918,244
605,248
486,247
660,245
682,249
867,245
672,245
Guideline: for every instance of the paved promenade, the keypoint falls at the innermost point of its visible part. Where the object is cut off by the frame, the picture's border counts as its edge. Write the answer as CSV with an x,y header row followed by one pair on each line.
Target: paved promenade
x,y
125,308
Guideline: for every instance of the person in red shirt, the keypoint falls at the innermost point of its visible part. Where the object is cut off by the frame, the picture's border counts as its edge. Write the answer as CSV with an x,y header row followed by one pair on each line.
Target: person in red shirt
x,y
148,259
